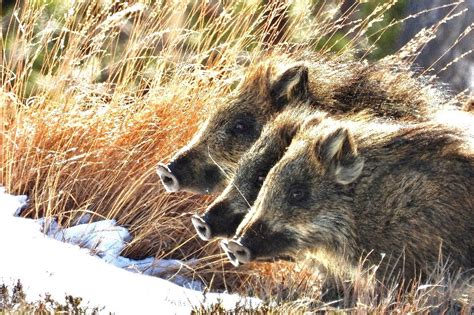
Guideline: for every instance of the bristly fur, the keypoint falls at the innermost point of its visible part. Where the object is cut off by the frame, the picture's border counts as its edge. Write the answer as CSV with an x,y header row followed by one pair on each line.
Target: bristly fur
x,y
227,211
329,83
340,85
412,198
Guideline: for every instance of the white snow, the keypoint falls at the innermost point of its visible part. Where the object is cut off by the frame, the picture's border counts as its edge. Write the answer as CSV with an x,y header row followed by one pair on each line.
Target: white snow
x,y
84,261
10,205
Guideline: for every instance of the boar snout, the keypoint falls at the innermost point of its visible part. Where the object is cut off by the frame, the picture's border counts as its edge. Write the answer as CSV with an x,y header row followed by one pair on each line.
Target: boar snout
x,y
190,171
169,180
258,242
216,224
203,229
238,252
225,246
222,218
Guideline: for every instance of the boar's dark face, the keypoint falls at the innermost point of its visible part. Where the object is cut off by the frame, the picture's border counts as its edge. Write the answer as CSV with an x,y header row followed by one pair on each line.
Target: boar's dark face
x,y
224,215
302,205
230,131
202,165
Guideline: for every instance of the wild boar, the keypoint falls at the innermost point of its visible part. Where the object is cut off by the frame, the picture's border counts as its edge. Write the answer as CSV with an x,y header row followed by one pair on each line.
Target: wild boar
x,y
327,83
402,197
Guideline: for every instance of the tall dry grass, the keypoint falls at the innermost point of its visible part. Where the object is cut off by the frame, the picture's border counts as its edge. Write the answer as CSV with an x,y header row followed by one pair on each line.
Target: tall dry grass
x,y
123,85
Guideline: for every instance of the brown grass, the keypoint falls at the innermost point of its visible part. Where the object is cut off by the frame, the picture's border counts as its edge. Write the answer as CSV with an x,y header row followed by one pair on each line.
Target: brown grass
x,y
120,87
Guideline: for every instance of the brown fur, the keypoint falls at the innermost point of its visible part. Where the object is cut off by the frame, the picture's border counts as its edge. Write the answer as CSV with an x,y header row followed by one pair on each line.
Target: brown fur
x,y
396,195
329,83
226,212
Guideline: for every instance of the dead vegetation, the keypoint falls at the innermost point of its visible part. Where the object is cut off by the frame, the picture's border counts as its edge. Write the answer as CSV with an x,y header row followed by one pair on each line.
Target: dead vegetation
x,y
94,95
13,301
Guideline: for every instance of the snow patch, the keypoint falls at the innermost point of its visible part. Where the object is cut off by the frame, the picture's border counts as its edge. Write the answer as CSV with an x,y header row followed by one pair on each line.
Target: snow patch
x,y
104,238
83,261
10,205
107,240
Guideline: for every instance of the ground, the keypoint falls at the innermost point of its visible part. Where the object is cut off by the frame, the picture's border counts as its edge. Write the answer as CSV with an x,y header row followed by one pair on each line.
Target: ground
x,y
85,261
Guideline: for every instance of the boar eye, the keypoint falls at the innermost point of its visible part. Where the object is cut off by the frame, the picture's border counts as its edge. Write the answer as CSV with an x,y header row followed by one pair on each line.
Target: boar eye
x,y
240,126
243,125
260,178
297,195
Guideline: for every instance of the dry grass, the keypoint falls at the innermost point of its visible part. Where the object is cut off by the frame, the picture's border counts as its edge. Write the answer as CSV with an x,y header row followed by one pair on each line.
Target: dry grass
x,y
121,87
13,301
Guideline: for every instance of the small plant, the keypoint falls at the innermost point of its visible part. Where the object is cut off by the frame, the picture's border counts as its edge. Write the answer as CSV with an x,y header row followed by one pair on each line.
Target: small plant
x,y
13,301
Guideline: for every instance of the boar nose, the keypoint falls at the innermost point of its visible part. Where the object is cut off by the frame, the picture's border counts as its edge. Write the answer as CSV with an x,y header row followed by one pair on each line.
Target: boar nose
x,y
240,252
202,228
167,178
233,259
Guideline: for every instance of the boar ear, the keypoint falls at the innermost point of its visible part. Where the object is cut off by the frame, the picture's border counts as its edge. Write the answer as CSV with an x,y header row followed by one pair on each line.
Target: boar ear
x,y
287,132
338,152
292,84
